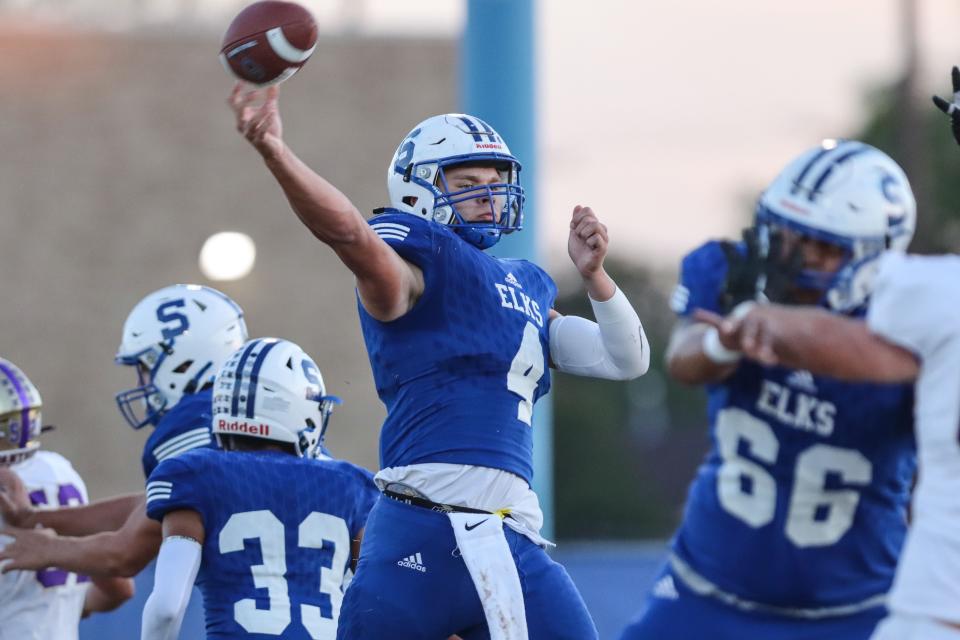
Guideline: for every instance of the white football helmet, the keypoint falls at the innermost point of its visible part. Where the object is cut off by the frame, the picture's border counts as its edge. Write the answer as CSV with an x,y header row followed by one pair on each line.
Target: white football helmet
x,y
848,194
417,184
176,338
19,415
271,389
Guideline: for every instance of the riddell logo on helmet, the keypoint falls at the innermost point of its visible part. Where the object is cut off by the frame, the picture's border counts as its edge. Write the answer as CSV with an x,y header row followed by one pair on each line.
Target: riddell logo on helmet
x,y
489,145
786,204
244,427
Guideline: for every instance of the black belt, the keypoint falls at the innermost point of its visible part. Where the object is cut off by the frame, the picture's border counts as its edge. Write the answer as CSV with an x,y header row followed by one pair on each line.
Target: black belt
x,y
434,506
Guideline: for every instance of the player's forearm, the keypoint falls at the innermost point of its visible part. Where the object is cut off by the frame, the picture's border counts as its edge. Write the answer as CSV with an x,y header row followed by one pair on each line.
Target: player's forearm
x,y
106,594
614,347
837,346
323,208
177,566
686,360
103,515
600,286
388,286
103,554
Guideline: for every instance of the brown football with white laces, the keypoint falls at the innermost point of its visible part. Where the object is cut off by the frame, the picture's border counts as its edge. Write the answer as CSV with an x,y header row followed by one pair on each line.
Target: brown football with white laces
x,y
268,42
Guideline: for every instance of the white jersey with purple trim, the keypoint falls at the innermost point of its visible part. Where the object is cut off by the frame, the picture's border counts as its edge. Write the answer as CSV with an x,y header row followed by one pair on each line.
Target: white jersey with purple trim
x,y
44,605
916,305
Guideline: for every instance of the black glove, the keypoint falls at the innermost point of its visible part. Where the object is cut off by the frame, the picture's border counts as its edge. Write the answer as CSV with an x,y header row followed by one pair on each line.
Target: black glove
x,y
760,274
952,109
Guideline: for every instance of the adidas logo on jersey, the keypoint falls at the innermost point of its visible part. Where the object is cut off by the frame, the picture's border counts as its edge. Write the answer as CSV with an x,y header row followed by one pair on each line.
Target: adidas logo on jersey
x,y
512,280
413,562
802,380
665,589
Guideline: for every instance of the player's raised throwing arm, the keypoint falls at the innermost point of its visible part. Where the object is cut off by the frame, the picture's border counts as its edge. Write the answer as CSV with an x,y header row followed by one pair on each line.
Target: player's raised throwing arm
x,y
615,346
388,285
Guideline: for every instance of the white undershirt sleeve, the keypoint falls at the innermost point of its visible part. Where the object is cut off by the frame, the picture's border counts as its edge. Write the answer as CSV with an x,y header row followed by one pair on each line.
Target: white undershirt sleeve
x,y
177,566
614,347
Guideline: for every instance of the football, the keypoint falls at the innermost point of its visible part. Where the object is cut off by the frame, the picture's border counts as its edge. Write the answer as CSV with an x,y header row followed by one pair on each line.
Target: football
x,y
268,42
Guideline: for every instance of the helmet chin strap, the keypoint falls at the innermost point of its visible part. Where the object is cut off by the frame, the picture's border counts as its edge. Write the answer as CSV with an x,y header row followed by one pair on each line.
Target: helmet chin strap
x,y
480,238
815,280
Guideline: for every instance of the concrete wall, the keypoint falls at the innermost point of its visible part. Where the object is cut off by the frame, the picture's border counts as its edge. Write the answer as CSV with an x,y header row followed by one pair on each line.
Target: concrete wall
x,y
118,158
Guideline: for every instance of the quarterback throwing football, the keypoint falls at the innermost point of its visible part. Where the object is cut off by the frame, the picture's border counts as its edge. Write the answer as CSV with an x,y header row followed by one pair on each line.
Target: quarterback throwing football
x,y
460,343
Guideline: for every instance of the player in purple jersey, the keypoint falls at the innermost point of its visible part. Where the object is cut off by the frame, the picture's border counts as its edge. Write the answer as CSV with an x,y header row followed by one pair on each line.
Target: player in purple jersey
x,y
175,339
460,344
303,515
794,521
48,603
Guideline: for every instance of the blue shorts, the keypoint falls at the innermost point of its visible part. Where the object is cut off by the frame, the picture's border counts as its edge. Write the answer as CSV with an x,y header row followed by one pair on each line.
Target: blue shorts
x,y
673,612
412,584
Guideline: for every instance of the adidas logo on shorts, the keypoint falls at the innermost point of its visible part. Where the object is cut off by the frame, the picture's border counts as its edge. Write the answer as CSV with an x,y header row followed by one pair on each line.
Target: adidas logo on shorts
x,y
413,562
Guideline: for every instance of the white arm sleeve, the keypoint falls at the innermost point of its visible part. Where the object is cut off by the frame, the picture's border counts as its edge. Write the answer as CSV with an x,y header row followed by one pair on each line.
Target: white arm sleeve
x,y
177,566
614,347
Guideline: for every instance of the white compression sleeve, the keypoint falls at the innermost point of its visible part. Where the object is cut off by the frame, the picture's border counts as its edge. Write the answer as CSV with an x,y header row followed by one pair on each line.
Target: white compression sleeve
x,y
177,566
614,347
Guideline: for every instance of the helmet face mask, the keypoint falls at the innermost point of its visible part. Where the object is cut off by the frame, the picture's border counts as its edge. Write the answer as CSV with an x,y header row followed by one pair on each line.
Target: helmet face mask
x,y
846,251
20,417
417,177
847,195
502,201
176,339
270,389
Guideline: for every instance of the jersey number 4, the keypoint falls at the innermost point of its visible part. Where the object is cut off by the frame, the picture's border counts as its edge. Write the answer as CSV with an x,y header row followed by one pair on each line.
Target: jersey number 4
x,y
318,530
526,369
817,516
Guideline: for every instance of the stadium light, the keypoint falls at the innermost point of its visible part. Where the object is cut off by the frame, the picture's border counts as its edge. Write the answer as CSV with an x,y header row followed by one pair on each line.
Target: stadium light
x,y
228,255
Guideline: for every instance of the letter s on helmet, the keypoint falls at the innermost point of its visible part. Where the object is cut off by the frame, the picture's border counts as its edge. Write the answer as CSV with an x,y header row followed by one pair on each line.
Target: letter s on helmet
x,y
177,338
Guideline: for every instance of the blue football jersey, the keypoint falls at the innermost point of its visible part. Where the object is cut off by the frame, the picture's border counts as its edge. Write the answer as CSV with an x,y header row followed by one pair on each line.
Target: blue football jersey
x,y
184,427
460,372
278,532
801,501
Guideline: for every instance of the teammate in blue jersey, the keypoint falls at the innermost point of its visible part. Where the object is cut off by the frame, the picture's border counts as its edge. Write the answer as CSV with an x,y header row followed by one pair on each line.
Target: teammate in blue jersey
x,y
911,333
265,527
795,519
175,339
460,343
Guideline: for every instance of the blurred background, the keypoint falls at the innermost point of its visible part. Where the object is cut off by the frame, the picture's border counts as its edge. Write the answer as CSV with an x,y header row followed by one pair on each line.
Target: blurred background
x,y
118,160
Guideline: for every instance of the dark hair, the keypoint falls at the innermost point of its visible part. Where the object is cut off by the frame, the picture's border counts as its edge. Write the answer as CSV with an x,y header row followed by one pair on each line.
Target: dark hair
x,y
234,442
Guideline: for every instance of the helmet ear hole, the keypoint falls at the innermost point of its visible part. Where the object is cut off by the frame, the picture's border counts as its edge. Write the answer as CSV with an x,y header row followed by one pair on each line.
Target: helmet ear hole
x,y
410,200
183,366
